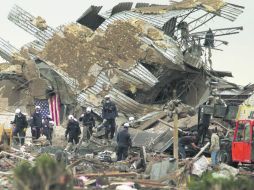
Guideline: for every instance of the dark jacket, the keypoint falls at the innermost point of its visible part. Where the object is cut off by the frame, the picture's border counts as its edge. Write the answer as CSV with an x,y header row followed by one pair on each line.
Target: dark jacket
x,y
73,129
36,120
186,140
46,122
123,138
20,121
88,119
109,110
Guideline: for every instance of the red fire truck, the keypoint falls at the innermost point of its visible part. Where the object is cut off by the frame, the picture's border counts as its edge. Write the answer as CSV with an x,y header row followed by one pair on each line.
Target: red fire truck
x,y
243,142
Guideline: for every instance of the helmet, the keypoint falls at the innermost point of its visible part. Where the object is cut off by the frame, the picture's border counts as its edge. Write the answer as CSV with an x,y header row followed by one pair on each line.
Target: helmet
x,y
107,96
88,109
126,125
49,117
70,117
37,107
131,119
17,111
51,122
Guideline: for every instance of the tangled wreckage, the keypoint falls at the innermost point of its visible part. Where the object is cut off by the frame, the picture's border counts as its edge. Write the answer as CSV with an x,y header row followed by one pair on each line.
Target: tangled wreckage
x,y
144,56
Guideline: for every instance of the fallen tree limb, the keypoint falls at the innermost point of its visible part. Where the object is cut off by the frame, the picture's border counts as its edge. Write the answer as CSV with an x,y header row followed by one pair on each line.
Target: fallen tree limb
x,y
13,155
6,173
22,152
84,159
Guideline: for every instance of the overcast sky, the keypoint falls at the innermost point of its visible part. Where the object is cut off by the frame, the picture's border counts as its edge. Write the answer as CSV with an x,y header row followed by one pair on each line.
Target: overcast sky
x,y
237,57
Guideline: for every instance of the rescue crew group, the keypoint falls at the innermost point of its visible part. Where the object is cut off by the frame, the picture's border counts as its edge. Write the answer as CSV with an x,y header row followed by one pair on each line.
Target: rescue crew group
x,y
44,126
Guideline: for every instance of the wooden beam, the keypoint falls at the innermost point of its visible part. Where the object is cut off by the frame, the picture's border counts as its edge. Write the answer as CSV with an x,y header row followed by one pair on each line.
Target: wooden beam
x,y
109,174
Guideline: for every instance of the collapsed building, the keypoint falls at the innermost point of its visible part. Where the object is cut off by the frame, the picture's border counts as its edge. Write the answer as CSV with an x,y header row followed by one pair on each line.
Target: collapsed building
x,y
143,56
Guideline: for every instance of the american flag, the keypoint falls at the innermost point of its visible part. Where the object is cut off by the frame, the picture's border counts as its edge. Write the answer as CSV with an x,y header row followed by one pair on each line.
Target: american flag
x,y
50,107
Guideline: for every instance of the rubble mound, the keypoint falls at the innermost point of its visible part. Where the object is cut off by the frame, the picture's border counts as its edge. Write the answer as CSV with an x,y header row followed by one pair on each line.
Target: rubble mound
x,y
83,54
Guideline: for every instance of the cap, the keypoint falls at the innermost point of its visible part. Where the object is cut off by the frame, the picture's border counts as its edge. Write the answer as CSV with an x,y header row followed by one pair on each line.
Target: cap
x,y
88,109
126,125
17,111
51,122
37,107
107,97
70,117
131,119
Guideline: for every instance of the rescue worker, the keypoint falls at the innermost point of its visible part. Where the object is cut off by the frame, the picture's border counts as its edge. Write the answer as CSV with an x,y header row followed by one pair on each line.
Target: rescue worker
x,y
131,121
215,147
109,113
73,130
186,141
123,143
36,123
204,120
48,125
20,123
88,122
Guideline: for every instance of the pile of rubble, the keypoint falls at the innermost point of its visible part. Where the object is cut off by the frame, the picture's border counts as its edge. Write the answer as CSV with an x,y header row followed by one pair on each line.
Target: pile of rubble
x,y
155,64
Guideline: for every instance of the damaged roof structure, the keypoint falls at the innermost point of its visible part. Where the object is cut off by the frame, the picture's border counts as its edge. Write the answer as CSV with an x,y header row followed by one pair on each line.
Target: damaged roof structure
x,y
153,61
142,56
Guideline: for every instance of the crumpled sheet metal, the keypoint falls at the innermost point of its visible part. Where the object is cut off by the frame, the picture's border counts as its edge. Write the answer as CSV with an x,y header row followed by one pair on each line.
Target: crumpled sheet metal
x,y
208,5
226,10
97,91
25,20
174,54
155,20
124,103
7,50
152,141
139,72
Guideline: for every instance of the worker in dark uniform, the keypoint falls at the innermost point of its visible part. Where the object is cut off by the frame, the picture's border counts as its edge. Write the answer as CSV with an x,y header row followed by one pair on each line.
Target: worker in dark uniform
x,y
88,122
48,125
204,120
73,130
123,143
36,123
20,123
186,141
109,113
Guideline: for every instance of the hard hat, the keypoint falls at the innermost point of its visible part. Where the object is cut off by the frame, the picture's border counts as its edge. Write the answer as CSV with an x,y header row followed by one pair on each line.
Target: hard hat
x,y
131,119
107,97
17,111
49,116
126,125
37,107
70,117
51,122
88,109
